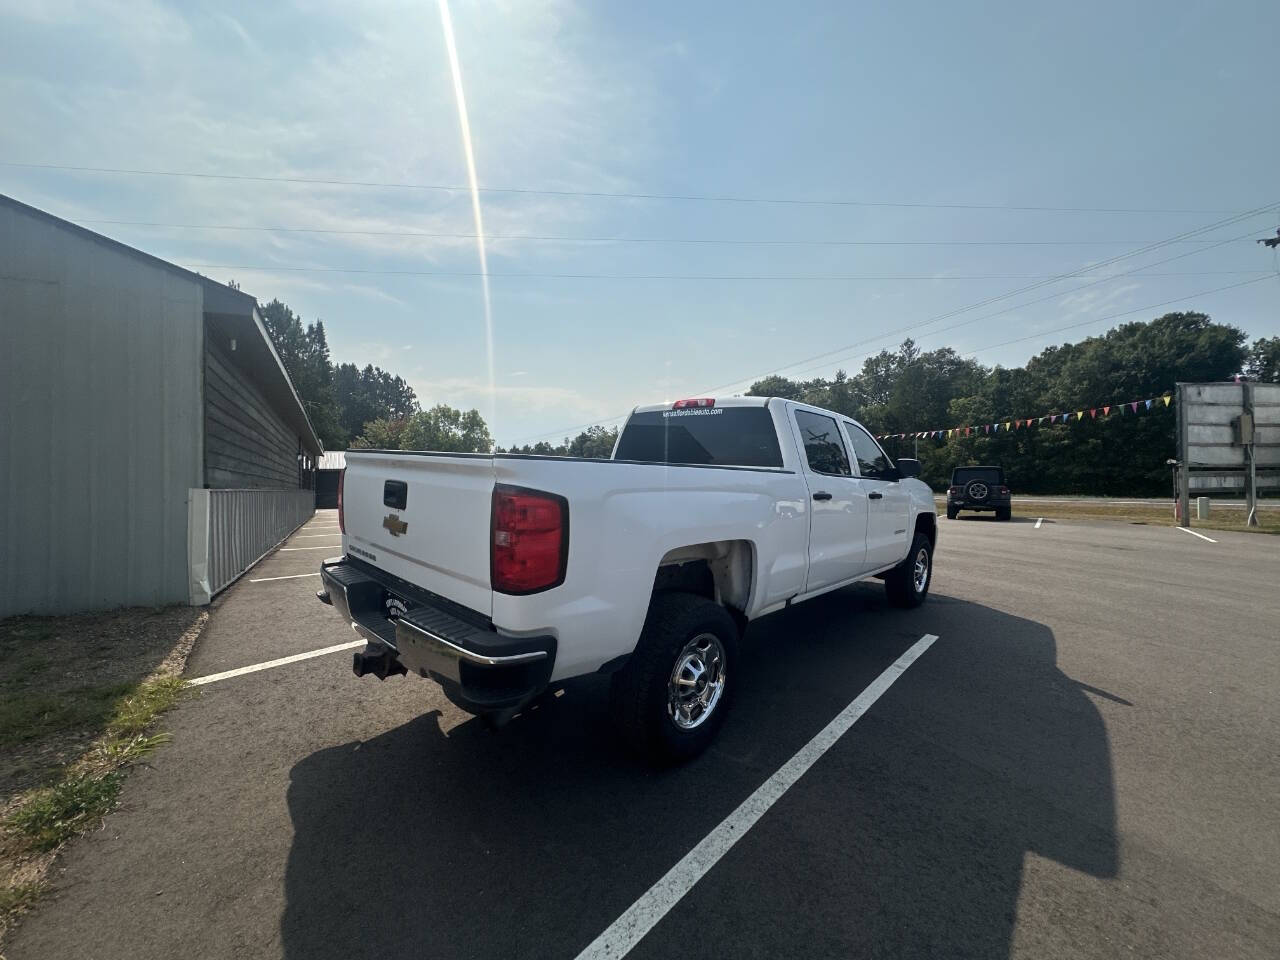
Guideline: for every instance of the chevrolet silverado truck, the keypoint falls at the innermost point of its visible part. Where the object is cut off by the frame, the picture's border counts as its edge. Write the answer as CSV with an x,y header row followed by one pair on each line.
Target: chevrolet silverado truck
x,y
498,576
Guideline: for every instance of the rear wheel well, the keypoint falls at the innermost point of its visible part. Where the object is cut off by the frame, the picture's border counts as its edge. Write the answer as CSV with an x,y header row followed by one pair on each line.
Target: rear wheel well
x,y
720,571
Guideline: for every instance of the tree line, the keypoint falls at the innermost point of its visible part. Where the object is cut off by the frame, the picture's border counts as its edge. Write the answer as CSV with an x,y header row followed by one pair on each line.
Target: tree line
x,y
596,442
353,406
909,390
906,390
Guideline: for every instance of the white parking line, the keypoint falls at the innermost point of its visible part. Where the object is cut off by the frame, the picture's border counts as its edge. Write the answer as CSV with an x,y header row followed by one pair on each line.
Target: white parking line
x,y
292,576
321,546
641,917
241,671
1038,522
1194,534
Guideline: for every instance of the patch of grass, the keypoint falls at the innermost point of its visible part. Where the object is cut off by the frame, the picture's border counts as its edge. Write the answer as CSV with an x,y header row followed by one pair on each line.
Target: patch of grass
x,y
28,716
1221,517
17,897
121,751
1224,518
25,669
30,631
54,815
48,817
134,712
83,686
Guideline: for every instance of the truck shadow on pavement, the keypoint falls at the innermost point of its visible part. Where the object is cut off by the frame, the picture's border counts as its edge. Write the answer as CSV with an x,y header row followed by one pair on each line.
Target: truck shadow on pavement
x,y
906,839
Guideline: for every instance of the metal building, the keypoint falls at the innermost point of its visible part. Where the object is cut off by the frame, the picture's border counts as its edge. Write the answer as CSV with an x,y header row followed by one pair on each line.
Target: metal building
x,y
152,446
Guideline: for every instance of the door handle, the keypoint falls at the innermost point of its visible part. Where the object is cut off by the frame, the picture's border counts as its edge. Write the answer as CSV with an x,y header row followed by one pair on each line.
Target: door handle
x,y
875,496
822,495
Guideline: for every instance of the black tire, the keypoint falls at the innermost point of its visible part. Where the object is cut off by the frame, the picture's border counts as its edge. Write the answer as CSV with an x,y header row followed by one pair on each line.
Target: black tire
x,y
974,485
641,694
901,583
952,512
1004,513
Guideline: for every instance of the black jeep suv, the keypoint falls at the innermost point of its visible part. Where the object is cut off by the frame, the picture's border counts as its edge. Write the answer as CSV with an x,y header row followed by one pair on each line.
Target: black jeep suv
x,y
979,488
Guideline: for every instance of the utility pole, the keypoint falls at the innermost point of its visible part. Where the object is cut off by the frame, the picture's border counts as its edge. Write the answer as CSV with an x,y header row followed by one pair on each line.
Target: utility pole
x,y
1182,471
1248,437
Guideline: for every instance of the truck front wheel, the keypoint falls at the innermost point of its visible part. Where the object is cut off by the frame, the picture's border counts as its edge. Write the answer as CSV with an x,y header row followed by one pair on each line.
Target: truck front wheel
x,y
907,584
670,699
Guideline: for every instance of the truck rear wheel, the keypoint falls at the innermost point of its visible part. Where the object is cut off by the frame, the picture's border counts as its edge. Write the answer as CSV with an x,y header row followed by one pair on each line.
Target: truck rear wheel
x,y
670,699
907,584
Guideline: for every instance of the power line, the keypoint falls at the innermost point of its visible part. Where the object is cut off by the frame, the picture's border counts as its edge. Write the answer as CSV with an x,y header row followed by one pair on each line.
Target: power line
x,y
992,346
737,278
1135,272
884,335
951,313
1114,316
716,241
595,194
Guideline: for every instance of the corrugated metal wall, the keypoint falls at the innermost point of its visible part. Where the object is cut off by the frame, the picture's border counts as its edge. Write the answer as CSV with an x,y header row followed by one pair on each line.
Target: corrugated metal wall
x,y
246,443
100,421
232,529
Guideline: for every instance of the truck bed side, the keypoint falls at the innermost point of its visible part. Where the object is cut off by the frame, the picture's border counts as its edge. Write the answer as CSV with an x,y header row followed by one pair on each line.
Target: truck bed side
x,y
624,519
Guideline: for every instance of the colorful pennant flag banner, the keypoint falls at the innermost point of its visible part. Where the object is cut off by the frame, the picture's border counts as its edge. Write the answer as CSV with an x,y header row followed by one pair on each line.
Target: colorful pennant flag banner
x,y
1005,426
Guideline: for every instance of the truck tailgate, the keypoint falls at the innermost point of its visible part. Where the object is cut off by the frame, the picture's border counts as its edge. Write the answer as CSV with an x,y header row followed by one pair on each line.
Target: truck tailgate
x,y
424,518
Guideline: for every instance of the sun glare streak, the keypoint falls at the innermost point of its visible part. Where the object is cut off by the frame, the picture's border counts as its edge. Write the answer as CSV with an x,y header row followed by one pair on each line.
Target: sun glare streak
x,y
452,46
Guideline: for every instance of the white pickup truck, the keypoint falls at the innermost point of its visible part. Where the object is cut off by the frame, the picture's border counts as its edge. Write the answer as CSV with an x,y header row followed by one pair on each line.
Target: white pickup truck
x,y
499,575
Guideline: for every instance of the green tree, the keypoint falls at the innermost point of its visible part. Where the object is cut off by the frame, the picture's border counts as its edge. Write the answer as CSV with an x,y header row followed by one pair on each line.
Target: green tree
x,y
595,442
442,428
1263,362
776,386
304,351
338,400
368,394
907,390
382,435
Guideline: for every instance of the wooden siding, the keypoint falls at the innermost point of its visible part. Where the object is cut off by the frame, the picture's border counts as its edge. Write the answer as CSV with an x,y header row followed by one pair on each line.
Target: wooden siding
x,y
246,443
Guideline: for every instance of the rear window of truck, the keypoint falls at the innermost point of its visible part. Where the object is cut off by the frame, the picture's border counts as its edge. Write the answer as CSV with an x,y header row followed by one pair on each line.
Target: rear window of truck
x,y
711,436
986,474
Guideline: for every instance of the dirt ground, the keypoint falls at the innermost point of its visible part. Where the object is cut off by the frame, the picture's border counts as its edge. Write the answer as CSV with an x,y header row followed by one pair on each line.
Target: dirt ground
x,y
60,678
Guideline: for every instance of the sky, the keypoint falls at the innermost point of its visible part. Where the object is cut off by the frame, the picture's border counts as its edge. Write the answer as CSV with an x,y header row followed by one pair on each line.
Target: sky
x,y
715,192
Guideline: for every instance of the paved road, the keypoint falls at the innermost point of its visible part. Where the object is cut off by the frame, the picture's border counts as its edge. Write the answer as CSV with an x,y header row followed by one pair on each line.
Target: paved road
x,y
1027,504
1083,765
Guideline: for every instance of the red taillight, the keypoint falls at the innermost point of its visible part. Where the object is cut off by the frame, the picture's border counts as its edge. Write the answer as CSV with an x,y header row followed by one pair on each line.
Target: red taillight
x,y
342,520
953,489
701,402
1003,491
530,540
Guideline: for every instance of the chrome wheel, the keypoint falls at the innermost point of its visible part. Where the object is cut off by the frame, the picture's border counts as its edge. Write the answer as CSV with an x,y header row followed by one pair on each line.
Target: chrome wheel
x,y
697,681
920,573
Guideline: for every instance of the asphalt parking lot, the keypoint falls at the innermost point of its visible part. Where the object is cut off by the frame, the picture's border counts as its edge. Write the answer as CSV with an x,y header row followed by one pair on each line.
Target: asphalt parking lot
x,y
1085,763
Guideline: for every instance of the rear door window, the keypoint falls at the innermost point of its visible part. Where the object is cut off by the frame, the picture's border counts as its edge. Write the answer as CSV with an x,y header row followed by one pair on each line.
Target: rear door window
x,y
710,436
823,447
873,463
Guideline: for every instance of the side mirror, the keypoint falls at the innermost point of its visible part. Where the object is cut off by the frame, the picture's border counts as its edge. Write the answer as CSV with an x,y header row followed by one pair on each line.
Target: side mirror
x,y
909,467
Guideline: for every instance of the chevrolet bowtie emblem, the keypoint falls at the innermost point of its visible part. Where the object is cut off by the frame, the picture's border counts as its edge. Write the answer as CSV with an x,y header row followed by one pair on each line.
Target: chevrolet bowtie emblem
x,y
395,525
